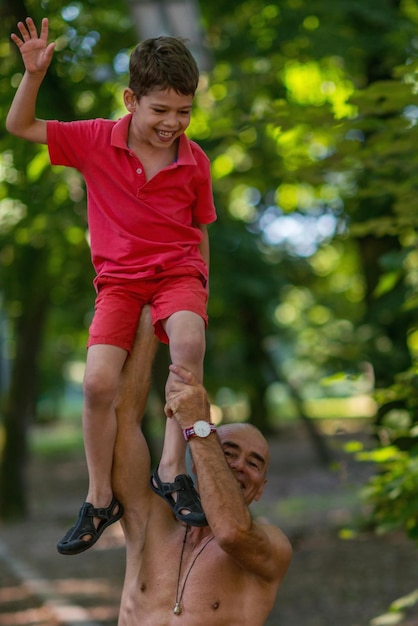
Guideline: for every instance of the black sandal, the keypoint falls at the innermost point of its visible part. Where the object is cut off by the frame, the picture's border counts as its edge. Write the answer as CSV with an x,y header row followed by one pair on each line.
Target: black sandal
x,y
74,541
187,498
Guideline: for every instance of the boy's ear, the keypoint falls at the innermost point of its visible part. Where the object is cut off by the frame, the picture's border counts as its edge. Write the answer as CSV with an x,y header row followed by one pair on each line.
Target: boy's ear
x,y
129,99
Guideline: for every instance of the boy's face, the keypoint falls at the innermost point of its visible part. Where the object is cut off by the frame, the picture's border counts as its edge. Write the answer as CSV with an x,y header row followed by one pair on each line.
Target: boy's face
x,y
160,117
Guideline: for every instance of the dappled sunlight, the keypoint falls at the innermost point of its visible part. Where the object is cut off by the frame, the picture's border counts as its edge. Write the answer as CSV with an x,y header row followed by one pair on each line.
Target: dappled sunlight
x,y
388,619
17,593
337,426
317,83
104,614
112,538
299,234
82,587
71,614
30,617
68,600
356,406
334,511
60,599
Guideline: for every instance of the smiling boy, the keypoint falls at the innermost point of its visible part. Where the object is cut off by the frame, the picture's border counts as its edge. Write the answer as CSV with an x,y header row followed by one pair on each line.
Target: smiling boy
x,y
149,200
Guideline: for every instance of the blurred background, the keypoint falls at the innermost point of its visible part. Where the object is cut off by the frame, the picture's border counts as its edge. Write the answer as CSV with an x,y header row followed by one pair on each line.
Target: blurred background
x,y
308,112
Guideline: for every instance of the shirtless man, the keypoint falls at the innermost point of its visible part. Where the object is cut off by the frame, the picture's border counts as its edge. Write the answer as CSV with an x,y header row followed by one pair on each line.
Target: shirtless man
x,y
224,574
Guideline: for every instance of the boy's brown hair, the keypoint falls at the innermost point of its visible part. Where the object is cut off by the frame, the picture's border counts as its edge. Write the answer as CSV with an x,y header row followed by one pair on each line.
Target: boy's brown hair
x,y
162,63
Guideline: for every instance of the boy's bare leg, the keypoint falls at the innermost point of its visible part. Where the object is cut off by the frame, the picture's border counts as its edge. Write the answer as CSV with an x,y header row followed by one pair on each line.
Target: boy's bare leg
x,y
186,332
103,370
101,382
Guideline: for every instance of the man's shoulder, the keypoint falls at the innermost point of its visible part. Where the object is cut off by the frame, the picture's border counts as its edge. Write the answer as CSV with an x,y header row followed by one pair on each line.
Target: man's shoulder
x,y
281,547
274,533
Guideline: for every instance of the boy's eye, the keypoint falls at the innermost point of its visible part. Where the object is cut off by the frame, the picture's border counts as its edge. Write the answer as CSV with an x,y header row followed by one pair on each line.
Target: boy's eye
x,y
161,111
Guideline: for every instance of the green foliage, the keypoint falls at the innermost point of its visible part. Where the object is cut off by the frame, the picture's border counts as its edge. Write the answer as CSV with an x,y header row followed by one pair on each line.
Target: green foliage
x,y
327,122
392,492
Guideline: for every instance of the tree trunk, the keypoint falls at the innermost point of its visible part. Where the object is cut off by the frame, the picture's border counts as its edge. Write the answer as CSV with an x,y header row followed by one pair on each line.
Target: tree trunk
x,y
20,402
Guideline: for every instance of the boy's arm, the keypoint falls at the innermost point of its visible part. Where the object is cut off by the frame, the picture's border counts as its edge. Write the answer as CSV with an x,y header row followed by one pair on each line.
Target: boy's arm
x,y
36,54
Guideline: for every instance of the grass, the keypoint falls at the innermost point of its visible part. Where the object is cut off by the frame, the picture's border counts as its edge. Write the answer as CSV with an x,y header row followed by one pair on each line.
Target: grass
x,y
296,510
65,437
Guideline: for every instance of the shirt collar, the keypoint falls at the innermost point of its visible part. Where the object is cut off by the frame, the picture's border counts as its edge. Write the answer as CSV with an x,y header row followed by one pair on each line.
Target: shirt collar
x,y
119,138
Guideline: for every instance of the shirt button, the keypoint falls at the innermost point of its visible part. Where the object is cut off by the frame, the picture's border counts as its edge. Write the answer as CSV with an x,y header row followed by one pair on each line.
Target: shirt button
x,y
139,170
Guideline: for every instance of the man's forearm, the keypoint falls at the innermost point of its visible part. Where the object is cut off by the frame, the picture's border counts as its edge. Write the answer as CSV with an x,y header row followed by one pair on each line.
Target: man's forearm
x,y
220,492
221,495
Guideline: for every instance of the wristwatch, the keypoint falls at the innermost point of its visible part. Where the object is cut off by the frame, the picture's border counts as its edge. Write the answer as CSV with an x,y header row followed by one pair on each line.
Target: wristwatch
x,y
199,429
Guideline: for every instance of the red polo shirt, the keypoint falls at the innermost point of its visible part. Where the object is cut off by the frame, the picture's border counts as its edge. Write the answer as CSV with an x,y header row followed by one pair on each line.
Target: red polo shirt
x,y
138,228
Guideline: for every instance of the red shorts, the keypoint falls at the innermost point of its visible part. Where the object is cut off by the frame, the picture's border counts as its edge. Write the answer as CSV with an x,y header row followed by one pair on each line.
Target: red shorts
x,y
119,304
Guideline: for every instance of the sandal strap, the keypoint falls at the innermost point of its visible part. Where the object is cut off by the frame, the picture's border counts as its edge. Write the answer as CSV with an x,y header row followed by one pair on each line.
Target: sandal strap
x,y
74,541
187,498
179,484
102,513
182,482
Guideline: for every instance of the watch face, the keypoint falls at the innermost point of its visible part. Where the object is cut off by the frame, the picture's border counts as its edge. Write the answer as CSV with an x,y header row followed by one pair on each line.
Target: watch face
x,y
201,428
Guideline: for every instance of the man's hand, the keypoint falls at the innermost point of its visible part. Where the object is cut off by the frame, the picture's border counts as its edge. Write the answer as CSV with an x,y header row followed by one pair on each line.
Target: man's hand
x,y
187,399
36,52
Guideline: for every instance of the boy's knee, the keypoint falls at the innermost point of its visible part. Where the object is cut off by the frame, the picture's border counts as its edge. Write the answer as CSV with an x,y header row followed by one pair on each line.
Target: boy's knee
x,y
192,345
99,389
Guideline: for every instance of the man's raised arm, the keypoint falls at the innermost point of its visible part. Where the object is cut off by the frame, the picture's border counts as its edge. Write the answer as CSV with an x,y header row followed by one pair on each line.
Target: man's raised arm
x,y
131,464
230,469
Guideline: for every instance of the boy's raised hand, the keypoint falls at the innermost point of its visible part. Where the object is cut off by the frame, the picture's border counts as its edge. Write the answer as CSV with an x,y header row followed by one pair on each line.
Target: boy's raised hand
x,y
35,51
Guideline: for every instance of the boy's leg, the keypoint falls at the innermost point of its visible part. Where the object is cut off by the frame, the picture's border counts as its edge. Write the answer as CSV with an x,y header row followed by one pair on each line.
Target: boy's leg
x,y
111,335
186,333
179,318
187,343
101,380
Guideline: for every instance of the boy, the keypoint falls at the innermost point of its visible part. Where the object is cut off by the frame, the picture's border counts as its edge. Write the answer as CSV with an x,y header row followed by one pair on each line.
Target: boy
x,y
149,200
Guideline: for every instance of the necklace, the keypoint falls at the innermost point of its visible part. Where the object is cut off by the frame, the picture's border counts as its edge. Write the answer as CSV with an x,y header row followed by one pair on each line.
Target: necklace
x,y
179,596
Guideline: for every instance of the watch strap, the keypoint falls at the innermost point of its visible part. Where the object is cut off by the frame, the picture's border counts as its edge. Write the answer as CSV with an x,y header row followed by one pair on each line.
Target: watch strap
x,y
190,432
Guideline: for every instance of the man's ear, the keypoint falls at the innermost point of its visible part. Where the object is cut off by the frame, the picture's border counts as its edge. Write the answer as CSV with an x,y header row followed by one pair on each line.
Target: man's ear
x,y
129,99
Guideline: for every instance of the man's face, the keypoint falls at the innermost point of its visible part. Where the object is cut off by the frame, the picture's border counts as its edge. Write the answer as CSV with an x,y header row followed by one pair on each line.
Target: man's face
x,y
160,117
247,454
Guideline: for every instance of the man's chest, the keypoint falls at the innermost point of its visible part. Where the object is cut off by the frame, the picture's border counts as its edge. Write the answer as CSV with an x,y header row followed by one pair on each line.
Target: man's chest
x,y
210,590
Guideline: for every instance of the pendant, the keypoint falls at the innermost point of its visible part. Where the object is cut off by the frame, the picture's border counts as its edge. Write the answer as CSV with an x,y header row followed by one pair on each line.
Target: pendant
x,y
177,609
